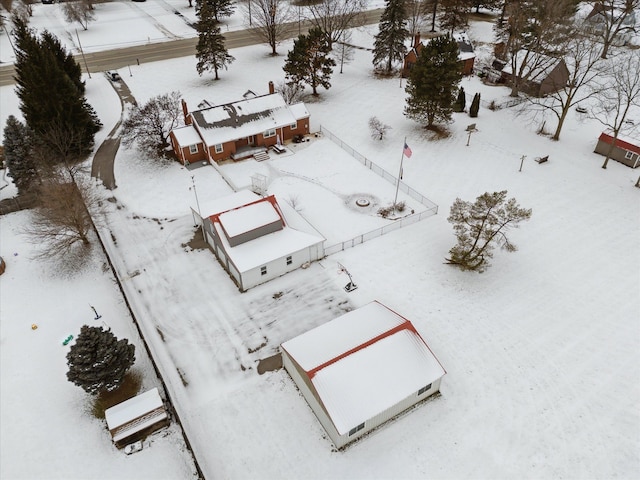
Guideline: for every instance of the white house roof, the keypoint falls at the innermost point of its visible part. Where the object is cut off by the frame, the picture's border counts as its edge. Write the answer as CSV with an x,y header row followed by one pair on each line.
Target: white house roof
x,y
465,49
364,362
264,249
250,217
186,136
267,248
133,408
299,110
222,204
229,122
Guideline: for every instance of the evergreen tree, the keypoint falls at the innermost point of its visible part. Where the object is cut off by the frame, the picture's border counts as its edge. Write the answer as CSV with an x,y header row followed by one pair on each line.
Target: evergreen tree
x,y
210,50
453,14
475,106
433,82
18,143
480,225
309,61
52,97
218,8
98,361
461,101
389,44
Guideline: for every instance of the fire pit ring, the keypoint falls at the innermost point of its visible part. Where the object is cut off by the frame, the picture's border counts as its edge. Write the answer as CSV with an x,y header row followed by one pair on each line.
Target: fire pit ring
x,y
363,202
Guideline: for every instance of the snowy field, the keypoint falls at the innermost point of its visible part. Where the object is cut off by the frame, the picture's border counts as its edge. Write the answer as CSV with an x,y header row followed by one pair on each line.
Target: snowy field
x,y
542,350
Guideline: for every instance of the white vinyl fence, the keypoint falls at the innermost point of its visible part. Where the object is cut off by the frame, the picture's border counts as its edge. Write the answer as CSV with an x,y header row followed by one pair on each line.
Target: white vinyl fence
x,y
431,208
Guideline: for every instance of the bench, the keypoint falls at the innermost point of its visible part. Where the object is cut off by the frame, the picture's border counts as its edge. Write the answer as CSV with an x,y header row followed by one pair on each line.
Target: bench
x,y
279,148
542,159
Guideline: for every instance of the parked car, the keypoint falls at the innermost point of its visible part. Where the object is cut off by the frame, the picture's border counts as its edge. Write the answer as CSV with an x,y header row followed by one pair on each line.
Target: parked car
x,y
113,76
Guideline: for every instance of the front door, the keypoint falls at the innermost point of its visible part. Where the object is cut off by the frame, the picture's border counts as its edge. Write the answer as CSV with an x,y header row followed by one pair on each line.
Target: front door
x,y
251,141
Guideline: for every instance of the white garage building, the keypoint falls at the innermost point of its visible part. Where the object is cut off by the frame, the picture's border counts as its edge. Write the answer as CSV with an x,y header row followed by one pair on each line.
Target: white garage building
x,y
361,369
252,240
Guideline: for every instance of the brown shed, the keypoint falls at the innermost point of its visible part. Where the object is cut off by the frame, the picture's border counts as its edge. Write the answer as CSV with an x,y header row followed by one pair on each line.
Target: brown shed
x,y
623,149
540,74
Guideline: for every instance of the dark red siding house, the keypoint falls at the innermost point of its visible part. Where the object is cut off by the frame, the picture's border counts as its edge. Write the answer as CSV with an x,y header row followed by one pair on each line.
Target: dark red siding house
x,y
239,129
625,150
466,54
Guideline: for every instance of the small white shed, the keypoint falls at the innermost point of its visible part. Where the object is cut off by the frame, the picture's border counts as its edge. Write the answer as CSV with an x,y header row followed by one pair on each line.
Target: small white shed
x,y
361,369
136,418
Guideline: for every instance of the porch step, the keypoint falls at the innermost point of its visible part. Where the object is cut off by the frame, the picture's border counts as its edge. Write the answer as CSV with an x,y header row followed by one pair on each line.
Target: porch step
x,y
261,156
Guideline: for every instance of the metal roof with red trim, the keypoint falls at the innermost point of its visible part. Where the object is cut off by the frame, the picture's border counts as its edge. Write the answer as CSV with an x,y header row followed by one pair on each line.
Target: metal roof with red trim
x,y
364,362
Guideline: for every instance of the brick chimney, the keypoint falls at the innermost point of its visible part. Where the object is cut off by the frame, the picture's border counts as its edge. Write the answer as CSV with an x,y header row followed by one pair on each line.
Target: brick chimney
x,y
272,88
185,112
416,40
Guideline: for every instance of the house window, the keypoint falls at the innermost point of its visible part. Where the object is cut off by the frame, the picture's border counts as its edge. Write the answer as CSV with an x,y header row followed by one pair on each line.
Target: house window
x,y
293,126
218,148
356,429
424,389
193,149
270,133
628,155
289,260
263,270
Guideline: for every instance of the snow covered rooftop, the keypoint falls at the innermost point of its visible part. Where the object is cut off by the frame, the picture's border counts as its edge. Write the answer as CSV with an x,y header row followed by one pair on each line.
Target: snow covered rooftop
x,y
228,202
225,123
364,362
133,408
465,49
267,248
299,110
186,136
248,218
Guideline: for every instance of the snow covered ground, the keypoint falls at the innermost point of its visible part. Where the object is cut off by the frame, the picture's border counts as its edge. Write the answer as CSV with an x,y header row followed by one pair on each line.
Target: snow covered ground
x,y
542,350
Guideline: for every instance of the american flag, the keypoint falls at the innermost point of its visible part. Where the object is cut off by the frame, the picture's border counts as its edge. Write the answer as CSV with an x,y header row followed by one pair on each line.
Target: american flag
x,y
407,151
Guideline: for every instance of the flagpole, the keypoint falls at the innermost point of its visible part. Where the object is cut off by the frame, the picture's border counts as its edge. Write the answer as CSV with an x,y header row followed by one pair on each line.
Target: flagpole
x,y
399,175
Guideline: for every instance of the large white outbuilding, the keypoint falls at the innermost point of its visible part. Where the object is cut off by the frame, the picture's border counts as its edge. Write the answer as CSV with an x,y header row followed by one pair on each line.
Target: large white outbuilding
x,y
361,369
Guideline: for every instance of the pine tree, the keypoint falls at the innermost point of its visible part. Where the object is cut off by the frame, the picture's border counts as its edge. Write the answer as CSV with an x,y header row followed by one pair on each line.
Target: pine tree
x,y
98,361
433,82
18,152
461,101
454,14
480,225
218,8
210,50
309,61
389,44
52,97
475,106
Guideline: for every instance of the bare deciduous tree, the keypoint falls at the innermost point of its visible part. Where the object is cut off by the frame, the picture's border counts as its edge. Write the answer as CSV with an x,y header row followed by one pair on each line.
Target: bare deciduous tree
x,y
333,17
291,92
149,126
80,11
377,128
532,33
416,12
62,220
584,65
610,18
22,10
617,95
269,19
345,51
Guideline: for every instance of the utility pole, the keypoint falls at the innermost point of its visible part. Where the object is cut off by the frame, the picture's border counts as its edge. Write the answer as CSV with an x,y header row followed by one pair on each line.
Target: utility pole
x,y
82,53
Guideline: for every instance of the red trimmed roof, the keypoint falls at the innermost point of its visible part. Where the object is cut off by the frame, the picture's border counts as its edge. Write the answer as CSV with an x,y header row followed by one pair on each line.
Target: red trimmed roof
x,y
606,138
